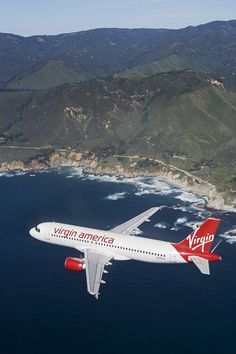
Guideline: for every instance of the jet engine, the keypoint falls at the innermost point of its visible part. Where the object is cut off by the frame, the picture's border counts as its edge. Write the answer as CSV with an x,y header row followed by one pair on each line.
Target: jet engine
x,y
75,264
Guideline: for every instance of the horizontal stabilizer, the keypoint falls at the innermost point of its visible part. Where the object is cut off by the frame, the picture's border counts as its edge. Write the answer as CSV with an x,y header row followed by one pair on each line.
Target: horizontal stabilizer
x,y
201,263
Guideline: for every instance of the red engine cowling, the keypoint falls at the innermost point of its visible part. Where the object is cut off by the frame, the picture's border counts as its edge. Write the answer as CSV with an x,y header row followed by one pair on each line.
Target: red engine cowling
x,y
75,264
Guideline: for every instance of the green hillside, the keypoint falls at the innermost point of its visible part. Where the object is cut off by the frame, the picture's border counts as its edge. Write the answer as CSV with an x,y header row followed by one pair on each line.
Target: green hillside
x,y
183,118
52,73
171,63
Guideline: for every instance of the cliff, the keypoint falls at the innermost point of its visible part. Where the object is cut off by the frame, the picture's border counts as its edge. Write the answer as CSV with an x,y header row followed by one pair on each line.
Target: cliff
x,y
125,166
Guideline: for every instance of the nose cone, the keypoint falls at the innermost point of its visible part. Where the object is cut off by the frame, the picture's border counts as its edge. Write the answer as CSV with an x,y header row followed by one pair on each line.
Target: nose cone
x,y
32,232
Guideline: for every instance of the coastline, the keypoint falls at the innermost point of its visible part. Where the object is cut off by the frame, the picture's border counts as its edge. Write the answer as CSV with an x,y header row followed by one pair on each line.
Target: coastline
x,y
122,167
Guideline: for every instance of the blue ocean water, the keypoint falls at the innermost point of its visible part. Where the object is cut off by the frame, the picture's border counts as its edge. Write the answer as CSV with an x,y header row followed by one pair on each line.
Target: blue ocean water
x,y
143,308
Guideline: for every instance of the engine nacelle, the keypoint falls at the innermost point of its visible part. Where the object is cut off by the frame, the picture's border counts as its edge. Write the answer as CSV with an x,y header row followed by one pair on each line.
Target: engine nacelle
x,y
75,264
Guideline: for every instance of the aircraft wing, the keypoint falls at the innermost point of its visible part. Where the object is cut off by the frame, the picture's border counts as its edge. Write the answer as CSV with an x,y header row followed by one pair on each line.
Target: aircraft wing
x,y
94,267
131,224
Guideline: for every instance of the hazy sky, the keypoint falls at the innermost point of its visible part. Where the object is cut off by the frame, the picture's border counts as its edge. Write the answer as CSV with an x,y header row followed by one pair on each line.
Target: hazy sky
x,y
28,17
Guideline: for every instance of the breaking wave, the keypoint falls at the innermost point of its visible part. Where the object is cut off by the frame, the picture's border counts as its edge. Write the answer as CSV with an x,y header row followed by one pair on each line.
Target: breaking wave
x,y
181,221
190,197
136,232
152,186
116,196
160,225
193,224
143,185
229,236
12,174
72,172
184,221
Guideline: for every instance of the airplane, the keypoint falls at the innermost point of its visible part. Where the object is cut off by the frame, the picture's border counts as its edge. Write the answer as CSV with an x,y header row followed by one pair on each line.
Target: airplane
x,y
100,247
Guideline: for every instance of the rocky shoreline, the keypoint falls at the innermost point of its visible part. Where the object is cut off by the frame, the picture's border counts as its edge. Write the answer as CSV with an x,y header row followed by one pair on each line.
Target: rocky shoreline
x,y
128,167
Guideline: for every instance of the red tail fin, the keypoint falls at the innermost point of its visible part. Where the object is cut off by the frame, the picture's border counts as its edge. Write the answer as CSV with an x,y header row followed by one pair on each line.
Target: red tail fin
x,y
201,239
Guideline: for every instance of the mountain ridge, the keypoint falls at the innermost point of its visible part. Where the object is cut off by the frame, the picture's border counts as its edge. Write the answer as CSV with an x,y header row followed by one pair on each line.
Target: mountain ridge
x,y
100,52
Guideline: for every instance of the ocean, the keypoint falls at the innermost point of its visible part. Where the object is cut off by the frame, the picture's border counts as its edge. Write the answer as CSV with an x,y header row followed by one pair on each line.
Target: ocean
x,y
143,308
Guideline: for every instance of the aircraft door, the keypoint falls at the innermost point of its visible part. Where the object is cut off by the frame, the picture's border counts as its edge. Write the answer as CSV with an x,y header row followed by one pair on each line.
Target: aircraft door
x,y
47,236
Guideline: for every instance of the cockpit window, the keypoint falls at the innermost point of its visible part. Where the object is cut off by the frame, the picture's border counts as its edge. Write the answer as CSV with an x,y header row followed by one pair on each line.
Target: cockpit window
x,y
37,229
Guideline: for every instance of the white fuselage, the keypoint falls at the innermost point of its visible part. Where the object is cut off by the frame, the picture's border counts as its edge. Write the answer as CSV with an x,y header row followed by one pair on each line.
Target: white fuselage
x,y
120,247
